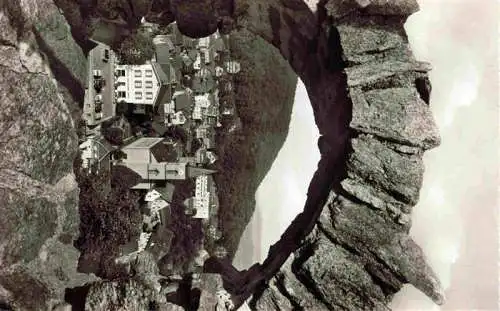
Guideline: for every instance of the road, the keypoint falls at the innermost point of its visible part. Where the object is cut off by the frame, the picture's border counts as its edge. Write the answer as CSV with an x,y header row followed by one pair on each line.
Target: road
x,y
107,68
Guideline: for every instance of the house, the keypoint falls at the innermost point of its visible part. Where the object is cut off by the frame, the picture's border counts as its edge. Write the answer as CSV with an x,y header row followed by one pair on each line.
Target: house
x,y
207,134
153,160
201,202
203,156
96,154
182,100
177,118
145,86
147,150
203,85
232,67
219,71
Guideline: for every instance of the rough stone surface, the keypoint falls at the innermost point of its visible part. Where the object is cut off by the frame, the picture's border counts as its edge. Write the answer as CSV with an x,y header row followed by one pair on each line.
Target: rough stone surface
x,y
386,170
395,114
209,285
339,280
338,9
38,191
130,295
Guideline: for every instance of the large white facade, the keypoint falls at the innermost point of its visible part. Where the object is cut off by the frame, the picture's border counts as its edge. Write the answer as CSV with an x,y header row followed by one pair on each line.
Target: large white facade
x,y
136,84
202,197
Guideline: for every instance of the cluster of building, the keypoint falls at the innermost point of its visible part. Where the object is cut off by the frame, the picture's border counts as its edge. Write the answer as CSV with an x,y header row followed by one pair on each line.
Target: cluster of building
x,y
179,87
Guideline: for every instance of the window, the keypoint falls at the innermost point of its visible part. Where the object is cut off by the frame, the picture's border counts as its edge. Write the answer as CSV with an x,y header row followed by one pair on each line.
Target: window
x,y
138,95
149,95
122,94
149,84
149,73
138,83
120,72
137,73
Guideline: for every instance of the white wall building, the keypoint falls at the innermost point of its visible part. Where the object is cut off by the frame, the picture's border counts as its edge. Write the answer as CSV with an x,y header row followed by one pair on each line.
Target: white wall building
x,y
202,197
137,84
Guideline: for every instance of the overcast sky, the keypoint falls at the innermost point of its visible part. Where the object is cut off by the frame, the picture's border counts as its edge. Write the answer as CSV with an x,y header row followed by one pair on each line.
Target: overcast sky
x,y
455,221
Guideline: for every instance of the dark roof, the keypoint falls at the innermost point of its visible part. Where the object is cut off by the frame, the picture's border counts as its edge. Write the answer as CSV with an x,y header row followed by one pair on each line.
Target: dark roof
x,y
167,192
162,53
197,171
203,85
164,152
123,176
159,127
182,101
164,93
219,45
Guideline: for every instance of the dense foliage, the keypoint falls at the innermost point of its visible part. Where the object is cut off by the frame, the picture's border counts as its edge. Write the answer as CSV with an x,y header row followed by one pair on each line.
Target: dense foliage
x,y
135,49
188,234
247,155
109,217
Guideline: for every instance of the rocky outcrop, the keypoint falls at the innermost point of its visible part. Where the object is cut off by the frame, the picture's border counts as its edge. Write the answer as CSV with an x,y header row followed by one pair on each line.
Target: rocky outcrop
x,y
360,253
130,295
38,191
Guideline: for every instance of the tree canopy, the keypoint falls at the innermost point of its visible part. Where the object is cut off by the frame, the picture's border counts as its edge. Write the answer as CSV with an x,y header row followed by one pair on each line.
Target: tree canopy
x,y
135,49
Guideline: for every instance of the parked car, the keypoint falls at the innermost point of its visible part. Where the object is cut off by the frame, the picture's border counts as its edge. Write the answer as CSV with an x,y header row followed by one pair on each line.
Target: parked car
x,y
98,107
99,84
97,73
98,98
105,55
98,116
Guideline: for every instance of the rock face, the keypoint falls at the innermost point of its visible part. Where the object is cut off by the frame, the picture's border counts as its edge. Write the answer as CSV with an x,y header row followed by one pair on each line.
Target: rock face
x,y
360,254
38,191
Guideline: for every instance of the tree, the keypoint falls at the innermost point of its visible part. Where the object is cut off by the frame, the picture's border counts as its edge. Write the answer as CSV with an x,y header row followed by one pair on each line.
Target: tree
x,y
135,49
109,217
114,135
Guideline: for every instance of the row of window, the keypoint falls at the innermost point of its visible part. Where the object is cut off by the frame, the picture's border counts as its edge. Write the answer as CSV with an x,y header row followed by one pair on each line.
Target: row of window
x,y
138,95
138,84
137,73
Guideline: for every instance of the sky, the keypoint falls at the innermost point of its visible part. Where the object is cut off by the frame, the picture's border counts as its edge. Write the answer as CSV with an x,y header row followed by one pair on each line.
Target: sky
x,y
455,221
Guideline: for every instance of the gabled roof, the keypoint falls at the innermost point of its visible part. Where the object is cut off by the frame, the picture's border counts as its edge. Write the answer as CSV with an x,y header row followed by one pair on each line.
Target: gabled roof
x,y
144,143
162,52
182,100
164,94
198,171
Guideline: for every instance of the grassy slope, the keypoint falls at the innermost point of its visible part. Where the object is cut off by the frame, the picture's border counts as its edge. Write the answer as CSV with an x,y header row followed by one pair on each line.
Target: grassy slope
x,y
265,90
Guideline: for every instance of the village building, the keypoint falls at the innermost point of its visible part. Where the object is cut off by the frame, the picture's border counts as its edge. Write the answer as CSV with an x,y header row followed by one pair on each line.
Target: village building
x,y
96,154
207,134
145,86
200,203
232,67
153,160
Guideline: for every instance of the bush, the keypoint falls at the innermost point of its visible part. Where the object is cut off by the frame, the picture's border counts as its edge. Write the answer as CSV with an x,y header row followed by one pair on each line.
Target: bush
x,y
109,217
114,135
135,49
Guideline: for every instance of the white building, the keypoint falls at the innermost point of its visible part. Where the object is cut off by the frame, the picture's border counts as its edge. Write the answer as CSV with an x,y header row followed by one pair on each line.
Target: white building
x,y
146,85
95,151
202,197
137,84
232,67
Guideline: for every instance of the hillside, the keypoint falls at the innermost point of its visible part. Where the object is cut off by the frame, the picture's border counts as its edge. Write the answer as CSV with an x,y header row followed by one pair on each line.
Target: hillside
x,y
247,154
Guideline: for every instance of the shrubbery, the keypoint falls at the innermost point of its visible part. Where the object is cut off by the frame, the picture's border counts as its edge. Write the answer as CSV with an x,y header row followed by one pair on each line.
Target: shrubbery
x,y
109,217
